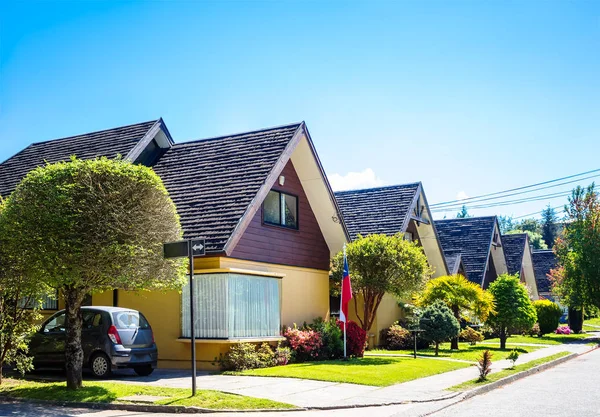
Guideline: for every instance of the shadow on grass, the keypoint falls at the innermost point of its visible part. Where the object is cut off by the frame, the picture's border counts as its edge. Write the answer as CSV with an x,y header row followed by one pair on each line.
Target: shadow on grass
x,y
56,392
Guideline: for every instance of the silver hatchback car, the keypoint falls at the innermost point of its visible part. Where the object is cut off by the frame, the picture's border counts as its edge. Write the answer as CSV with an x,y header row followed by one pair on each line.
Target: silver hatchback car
x,y
111,337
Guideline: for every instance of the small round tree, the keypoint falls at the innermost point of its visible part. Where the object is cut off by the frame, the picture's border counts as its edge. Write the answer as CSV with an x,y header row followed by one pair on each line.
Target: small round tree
x,y
548,315
465,299
381,264
90,226
438,324
513,308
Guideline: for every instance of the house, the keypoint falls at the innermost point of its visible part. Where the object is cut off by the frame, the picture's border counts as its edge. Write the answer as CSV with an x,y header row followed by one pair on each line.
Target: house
x,y
517,251
477,241
263,204
391,210
543,262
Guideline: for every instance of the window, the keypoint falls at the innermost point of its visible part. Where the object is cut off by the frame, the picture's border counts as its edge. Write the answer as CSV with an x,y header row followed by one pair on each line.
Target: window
x,y
49,302
56,324
281,209
130,320
233,305
91,319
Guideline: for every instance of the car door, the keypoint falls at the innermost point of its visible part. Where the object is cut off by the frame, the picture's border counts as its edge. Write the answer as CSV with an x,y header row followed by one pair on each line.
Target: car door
x,y
91,333
48,344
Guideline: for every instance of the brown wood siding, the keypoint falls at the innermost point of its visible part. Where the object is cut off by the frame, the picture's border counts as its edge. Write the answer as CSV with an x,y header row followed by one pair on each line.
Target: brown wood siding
x,y
304,247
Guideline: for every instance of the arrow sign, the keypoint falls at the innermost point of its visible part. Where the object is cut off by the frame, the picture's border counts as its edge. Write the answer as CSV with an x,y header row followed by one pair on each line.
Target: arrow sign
x,y
181,249
198,247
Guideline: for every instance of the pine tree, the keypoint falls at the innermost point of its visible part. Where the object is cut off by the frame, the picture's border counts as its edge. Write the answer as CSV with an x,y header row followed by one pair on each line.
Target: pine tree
x,y
463,213
549,220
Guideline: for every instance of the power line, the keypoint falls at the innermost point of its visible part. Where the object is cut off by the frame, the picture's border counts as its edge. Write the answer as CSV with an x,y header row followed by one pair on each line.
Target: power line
x,y
506,203
454,202
536,212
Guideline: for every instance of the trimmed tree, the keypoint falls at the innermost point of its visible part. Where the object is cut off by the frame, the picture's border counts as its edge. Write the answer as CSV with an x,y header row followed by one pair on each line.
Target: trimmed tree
x,y
92,226
438,324
465,299
548,315
381,264
20,299
513,309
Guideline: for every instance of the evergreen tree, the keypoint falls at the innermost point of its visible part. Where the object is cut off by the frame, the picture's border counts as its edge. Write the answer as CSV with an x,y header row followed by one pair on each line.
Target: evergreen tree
x,y
438,324
549,220
463,213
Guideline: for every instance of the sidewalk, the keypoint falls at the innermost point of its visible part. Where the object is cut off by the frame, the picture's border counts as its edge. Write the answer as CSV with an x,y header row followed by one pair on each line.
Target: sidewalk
x,y
309,393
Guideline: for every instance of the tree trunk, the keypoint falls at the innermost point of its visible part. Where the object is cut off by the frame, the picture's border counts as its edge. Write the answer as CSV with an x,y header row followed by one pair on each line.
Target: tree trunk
x,y
454,341
503,338
1,365
437,346
73,349
576,319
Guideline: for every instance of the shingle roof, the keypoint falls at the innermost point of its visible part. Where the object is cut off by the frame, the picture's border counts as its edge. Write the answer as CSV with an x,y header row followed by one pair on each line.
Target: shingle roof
x,y
514,248
453,262
543,262
213,181
381,210
109,143
471,238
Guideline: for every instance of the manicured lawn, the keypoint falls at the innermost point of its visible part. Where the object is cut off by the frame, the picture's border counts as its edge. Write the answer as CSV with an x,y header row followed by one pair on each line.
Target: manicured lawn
x,y
595,321
367,371
548,339
466,352
104,392
506,372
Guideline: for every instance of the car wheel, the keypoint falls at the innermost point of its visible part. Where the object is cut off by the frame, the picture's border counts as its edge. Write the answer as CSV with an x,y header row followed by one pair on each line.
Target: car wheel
x,y
100,365
143,370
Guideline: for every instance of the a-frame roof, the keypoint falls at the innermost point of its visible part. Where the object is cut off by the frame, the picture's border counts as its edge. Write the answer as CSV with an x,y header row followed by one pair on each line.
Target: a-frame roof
x,y
472,239
543,262
110,143
514,250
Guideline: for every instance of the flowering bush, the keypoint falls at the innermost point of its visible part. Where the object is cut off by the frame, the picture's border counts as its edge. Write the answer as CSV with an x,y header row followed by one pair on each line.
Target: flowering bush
x,y
563,330
331,335
395,337
356,339
283,355
471,336
304,343
535,330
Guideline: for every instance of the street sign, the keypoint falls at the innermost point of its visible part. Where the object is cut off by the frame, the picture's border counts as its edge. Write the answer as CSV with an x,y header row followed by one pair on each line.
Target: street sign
x,y
190,248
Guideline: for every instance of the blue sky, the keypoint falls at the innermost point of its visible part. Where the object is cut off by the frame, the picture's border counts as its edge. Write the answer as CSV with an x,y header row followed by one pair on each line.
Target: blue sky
x,y
468,97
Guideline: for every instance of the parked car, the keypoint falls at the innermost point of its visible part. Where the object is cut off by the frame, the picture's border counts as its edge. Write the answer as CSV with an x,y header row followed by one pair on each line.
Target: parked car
x,y
111,337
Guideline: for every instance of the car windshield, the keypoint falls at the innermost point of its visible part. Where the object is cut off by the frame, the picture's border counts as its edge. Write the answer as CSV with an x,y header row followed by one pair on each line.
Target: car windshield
x,y
130,320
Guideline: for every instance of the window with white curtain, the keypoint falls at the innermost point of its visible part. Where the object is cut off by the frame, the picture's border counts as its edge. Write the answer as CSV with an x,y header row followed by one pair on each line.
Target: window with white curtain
x,y
231,305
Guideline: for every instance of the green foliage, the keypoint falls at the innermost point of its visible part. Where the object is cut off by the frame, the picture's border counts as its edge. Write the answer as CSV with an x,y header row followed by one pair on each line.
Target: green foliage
x,y
549,227
244,356
484,365
529,225
470,335
331,336
513,309
548,314
463,213
535,239
381,264
90,226
513,356
438,324
396,337
506,223
577,279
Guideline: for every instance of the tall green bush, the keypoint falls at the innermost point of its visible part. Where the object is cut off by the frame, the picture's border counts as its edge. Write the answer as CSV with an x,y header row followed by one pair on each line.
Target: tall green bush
x,y
548,314
438,324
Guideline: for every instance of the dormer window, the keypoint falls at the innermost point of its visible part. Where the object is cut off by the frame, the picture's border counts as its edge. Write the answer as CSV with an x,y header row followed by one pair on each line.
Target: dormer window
x,y
280,209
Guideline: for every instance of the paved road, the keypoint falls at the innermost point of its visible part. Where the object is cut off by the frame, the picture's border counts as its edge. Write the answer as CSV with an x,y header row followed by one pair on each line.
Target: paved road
x,y
567,390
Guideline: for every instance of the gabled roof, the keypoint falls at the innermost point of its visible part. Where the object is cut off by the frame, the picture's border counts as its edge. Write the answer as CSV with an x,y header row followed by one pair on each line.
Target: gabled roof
x,y
109,143
454,262
543,262
514,249
471,238
214,181
383,210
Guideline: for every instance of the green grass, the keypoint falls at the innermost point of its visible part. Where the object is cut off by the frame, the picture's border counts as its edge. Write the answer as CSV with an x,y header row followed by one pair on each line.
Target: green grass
x,y
466,352
594,321
506,372
106,392
548,339
379,372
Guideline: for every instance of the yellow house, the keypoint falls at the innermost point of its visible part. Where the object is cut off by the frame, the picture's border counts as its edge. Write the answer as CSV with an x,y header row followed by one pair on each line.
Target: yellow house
x,y
517,251
263,204
391,210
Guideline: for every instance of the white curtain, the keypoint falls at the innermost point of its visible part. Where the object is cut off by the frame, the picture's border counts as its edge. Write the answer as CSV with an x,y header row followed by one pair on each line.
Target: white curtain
x,y
233,305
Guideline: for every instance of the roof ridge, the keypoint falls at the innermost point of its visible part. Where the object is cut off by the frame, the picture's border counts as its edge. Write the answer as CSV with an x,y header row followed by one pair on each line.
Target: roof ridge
x,y
384,187
298,124
94,132
467,218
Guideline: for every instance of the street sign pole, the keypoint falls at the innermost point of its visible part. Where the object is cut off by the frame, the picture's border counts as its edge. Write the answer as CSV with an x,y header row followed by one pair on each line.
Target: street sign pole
x,y
192,323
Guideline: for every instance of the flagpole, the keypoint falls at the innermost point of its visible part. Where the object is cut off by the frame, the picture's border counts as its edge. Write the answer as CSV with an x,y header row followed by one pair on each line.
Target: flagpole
x,y
345,318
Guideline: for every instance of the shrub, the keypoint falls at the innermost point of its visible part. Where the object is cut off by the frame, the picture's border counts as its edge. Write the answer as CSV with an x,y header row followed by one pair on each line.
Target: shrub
x,y
513,356
244,356
304,343
283,355
484,364
332,337
489,332
548,315
395,337
438,324
356,339
535,330
470,335
563,330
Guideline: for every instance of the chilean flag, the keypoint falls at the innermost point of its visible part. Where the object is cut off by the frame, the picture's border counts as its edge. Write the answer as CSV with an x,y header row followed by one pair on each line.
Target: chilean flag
x,y
346,291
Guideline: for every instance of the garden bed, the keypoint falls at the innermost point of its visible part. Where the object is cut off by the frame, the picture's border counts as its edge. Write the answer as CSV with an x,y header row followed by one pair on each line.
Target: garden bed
x,y
376,371
108,392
